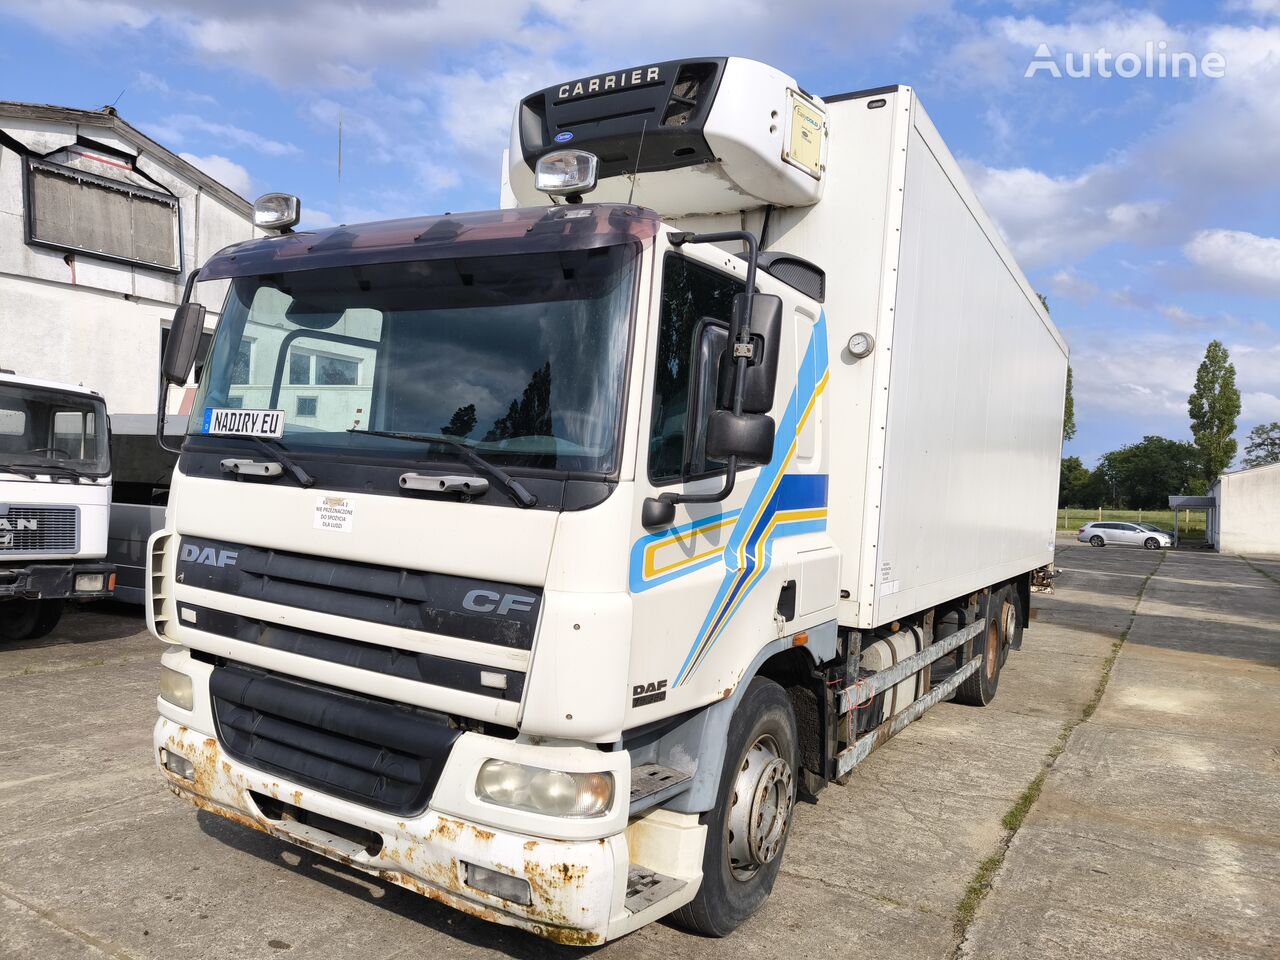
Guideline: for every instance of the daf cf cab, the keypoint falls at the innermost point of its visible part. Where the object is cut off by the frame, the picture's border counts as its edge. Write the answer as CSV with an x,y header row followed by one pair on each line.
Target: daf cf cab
x,y
540,559
55,495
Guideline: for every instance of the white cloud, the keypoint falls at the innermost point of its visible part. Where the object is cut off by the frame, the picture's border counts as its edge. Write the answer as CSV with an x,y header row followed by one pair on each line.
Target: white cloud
x,y
1259,8
226,172
1049,219
179,128
1069,284
1240,262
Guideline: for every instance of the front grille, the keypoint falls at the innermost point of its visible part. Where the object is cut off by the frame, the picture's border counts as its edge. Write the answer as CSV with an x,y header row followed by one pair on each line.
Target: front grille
x,y
501,614
383,755
488,681
39,529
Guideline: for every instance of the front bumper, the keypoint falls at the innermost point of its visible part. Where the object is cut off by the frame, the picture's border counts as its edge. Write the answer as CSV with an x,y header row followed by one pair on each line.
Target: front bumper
x,y
55,581
577,888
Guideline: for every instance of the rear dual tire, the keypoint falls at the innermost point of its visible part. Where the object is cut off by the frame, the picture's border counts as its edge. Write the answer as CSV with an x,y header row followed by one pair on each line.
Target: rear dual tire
x,y
1001,614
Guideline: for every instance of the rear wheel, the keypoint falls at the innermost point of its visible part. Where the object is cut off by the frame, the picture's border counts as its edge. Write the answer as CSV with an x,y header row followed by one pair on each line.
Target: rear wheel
x,y
1097,541
26,619
979,688
1151,543
747,829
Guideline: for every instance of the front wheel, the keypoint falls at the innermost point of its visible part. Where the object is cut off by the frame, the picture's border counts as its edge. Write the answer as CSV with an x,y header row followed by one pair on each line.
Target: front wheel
x,y
1097,541
1151,543
26,619
747,829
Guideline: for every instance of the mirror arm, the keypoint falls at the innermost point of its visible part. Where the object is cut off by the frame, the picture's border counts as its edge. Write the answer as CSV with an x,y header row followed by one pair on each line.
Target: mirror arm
x,y
738,333
164,387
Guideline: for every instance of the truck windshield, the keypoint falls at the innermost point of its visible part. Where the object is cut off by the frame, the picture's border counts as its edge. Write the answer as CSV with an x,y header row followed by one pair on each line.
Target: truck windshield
x,y
519,357
49,431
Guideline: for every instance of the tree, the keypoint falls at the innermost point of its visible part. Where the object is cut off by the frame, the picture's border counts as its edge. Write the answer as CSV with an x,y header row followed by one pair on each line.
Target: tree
x,y
462,422
1143,475
1263,445
1073,483
1068,412
1068,401
1214,406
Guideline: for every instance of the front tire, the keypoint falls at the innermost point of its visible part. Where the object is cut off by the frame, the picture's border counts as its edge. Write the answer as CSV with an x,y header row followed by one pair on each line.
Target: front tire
x,y
27,619
747,829
1097,541
1151,543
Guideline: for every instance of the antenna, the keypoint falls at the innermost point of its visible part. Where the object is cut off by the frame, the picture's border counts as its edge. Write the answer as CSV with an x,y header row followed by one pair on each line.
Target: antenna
x,y
632,192
338,198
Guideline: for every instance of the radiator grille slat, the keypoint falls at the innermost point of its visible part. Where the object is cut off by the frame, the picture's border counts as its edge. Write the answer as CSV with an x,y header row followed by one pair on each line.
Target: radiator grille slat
x,y
39,529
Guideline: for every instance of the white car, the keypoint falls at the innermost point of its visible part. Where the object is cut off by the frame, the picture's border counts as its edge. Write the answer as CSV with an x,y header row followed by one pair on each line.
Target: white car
x,y
1105,532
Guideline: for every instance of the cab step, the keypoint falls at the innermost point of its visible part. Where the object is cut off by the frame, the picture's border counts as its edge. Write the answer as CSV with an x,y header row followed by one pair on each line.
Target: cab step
x,y
646,887
653,784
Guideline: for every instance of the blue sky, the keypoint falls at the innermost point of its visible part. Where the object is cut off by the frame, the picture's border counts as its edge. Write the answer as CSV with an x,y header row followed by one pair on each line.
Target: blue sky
x,y
1146,209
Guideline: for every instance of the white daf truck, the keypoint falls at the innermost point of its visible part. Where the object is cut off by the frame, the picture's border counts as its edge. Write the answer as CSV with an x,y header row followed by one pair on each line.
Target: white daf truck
x,y
539,559
55,495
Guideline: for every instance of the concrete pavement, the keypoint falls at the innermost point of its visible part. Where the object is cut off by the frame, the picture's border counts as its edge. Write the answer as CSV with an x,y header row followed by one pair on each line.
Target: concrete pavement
x,y
1158,830
1156,834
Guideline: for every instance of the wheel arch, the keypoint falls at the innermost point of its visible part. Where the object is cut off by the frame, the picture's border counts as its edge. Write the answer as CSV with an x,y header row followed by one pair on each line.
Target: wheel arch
x,y
704,734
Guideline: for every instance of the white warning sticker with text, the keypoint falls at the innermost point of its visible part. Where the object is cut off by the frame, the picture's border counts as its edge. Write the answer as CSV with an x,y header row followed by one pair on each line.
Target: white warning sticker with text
x,y
334,513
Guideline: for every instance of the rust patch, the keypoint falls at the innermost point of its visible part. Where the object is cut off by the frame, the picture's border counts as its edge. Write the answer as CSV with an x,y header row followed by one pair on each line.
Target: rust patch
x,y
447,830
550,884
530,846
484,836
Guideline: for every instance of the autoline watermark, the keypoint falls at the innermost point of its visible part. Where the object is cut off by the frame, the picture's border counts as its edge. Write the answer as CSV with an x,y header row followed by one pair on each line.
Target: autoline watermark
x,y
1156,61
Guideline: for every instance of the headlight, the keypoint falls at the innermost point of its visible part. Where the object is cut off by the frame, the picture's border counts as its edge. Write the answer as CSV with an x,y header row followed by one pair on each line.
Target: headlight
x,y
89,583
175,687
554,793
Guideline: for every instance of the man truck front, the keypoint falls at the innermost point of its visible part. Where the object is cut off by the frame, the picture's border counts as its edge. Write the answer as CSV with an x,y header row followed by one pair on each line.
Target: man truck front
x,y
55,494
539,559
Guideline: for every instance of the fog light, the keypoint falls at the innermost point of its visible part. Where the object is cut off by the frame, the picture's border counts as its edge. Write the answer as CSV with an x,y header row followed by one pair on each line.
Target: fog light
x,y
276,211
175,687
89,583
566,172
555,793
177,764
497,884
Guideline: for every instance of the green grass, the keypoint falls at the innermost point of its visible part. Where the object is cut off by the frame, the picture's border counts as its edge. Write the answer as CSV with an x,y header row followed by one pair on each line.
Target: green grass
x,y
1190,523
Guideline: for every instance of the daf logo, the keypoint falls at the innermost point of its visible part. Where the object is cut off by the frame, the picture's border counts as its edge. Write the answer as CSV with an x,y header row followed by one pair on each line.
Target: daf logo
x,y
487,601
208,556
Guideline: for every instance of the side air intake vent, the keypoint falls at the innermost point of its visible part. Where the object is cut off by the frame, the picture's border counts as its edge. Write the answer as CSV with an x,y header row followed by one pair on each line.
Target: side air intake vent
x,y
687,93
795,272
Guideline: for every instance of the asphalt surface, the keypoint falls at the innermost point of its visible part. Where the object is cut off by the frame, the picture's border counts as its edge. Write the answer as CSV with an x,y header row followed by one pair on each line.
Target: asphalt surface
x,y
1157,833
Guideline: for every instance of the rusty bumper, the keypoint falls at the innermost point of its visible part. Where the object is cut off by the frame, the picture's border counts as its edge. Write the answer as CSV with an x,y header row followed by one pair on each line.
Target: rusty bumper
x,y
576,887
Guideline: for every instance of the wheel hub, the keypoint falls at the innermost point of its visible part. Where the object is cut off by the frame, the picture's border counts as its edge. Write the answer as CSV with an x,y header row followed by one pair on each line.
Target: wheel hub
x,y
760,810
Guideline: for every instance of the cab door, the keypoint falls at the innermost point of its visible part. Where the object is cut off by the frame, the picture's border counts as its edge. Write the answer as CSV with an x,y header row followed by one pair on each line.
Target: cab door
x,y
706,588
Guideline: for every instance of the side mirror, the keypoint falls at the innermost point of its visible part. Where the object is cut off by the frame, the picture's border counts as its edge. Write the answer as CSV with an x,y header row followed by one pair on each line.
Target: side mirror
x,y
747,436
184,341
761,375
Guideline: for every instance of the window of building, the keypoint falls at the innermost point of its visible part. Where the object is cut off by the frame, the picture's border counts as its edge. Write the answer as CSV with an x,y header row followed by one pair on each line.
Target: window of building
x,y
71,209
306,406
242,368
697,305
306,368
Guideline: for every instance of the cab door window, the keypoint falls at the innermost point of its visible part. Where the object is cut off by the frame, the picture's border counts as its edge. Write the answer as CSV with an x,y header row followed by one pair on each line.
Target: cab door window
x,y
693,330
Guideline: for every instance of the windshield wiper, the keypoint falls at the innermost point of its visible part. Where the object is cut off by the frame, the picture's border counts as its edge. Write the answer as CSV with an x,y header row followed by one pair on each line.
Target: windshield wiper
x,y
52,469
275,450
465,453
